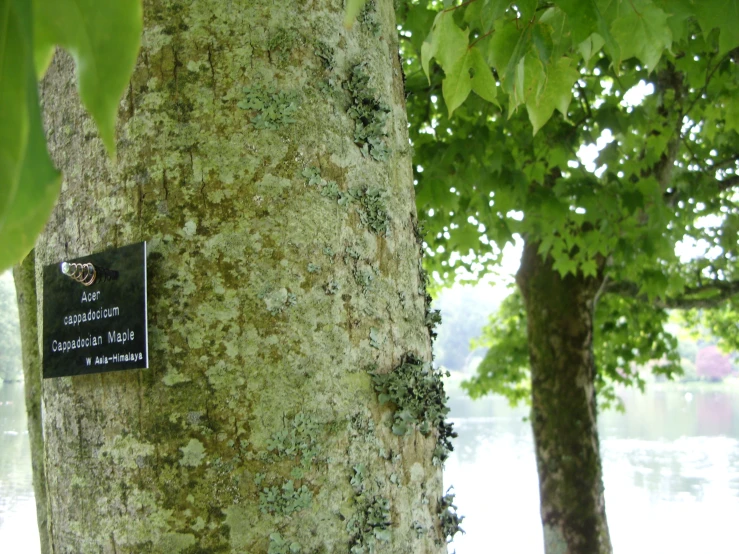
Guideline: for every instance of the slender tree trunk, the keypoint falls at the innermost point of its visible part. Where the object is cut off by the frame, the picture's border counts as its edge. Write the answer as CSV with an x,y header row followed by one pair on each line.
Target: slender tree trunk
x,y
25,289
560,334
277,202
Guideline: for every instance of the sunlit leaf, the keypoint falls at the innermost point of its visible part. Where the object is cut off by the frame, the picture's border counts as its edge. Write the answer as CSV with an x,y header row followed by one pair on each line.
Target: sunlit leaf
x,y
29,184
582,16
446,42
457,84
642,32
723,15
103,38
469,73
490,11
14,53
502,45
556,93
530,78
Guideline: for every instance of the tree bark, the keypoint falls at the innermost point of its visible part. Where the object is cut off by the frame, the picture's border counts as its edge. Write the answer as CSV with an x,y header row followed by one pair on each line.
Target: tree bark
x,y
25,289
559,314
283,269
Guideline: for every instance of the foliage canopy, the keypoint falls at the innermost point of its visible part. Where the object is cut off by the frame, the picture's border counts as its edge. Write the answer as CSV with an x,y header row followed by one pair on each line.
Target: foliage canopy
x,y
647,87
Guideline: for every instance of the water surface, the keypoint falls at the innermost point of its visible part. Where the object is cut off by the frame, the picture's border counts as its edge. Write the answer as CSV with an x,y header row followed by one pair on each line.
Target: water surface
x,y
670,464
671,470
18,532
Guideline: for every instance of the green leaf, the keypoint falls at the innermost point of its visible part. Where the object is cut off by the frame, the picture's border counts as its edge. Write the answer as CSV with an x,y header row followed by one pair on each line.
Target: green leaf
x,y
556,94
353,7
582,16
466,238
418,21
590,46
529,80
491,11
515,64
103,38
29,184
563,264
723,15
732,115
603,28
527,9
541,36
470,72
483,82
502,45
589,268
561,35
14,131
642,32
653,283
456,85
678,12
472,13
446,42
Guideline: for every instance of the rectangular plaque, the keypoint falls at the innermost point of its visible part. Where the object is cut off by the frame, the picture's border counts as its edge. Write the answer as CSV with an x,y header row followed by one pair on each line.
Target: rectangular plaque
x,y
100,327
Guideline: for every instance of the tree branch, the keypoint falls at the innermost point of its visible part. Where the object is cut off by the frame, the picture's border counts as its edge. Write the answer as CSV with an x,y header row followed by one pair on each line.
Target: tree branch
x,y
686,301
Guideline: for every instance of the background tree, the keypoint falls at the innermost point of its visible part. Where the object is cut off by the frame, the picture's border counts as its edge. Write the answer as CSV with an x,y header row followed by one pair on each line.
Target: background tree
x,y
712,364
262,153
654,86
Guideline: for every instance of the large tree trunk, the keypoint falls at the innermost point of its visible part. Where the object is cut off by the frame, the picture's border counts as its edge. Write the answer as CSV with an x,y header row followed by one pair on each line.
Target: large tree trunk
x,y
24,275
283,269
559,314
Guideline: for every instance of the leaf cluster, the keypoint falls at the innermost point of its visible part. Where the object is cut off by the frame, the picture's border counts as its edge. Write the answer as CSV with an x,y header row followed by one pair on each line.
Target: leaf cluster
x,y
648,88
661,170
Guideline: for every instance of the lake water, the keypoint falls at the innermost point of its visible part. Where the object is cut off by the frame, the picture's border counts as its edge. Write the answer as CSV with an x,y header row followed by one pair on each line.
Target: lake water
x,y
670,465
18,532
671,470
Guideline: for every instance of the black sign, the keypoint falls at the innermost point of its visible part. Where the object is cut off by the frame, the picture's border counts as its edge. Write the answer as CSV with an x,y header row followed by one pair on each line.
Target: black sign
x,y
95,313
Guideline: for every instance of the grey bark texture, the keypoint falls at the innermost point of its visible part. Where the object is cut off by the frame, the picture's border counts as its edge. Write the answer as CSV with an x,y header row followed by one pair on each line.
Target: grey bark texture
x,y
559,314
24,276
263,154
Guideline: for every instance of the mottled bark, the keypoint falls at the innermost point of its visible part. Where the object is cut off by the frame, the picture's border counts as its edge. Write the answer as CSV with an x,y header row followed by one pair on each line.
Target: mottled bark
x,y
559,314
25,289
283,267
